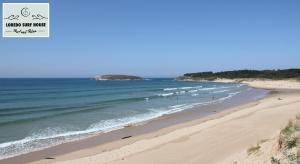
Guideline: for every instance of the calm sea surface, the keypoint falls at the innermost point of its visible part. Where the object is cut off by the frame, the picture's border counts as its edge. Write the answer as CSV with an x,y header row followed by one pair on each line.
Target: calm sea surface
x,y
38,113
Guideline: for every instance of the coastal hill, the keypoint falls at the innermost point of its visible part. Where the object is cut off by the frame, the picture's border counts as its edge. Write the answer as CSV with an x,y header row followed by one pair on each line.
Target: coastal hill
x,y
243,74
118,77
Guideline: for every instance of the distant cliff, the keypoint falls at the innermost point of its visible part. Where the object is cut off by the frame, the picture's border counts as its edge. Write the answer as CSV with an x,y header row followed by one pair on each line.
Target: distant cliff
x,y
242,74
118,77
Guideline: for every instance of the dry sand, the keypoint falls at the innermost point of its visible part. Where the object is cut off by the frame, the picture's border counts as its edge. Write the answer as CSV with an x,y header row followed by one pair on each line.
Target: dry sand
x,y
265,83
221,138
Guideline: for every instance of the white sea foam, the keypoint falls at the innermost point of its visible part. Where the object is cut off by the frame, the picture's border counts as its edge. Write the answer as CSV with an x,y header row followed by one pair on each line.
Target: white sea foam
x,y
165,94
220,91
207,89
192,91
170,89
186,88
182,88
180,93
230,95
177,106
54,136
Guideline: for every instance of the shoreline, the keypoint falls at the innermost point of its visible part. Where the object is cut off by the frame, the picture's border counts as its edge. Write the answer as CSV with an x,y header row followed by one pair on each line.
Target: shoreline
x,y
144,127
94,149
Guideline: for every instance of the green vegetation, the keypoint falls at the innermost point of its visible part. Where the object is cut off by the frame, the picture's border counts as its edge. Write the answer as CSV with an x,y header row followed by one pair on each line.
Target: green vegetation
x,y
290,135
289,142
268,74
275,160
253,149
287,148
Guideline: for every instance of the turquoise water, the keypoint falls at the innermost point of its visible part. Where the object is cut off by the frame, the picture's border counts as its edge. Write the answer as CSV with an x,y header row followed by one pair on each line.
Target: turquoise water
x,y
37,113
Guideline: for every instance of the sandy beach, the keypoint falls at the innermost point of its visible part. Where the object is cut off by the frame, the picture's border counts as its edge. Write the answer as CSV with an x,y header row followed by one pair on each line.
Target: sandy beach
x,y
220,138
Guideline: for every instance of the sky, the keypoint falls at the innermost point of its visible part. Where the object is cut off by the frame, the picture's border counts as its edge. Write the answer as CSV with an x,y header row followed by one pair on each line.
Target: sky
x,y
157,38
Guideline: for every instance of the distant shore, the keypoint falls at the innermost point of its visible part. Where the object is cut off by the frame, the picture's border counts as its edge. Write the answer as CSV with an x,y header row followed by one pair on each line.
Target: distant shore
x,y
258,82
217,136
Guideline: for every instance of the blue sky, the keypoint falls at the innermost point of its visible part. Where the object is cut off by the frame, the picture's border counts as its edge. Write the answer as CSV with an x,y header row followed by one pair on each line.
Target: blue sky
x,y
157,38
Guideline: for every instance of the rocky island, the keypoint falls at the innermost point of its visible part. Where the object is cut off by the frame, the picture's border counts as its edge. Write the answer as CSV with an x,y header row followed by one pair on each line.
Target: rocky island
x,y
118,77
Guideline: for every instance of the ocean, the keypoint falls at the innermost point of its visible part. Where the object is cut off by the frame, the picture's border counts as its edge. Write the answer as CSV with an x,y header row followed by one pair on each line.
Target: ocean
x,y
38,113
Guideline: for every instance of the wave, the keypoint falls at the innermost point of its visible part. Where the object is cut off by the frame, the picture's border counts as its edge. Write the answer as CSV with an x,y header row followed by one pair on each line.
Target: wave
x,y
187,88
63,111
170,89
207,89
53,108
192,91
165,94
182,88
220,91
230,95
180,92
54,136
67,95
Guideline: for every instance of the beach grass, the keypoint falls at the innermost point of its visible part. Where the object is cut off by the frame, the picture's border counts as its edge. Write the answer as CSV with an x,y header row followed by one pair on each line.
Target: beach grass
x,y
275,160
287,149
253,149
289,143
